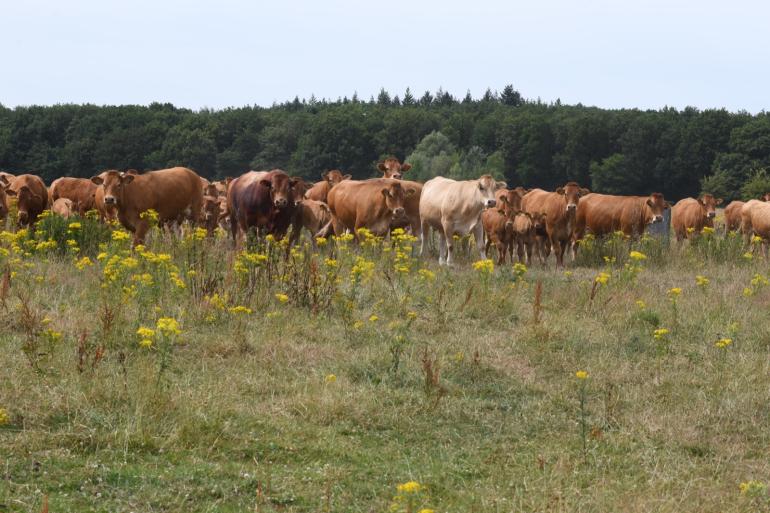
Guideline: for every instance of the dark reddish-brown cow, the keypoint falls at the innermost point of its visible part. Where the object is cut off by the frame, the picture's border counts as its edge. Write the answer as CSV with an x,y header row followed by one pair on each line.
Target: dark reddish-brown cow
x,y
375,204
173,193
320,190
602,214
264,201
393,168
689,216
498,228
559,208
80,191
31,197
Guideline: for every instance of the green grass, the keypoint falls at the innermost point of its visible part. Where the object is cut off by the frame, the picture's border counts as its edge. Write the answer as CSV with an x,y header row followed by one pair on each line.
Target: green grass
x,y
245,418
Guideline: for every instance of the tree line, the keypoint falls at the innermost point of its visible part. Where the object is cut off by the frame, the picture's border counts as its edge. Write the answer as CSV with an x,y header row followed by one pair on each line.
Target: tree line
x,y
526,142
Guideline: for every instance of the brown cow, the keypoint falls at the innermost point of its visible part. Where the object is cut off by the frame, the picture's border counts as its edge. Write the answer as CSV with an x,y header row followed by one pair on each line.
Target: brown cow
x,y
320,190
63,207
80,190
31,197
498,227
169,192
733,215
602,214
755,220
373,204
560,209
311,215
263,200
690,215
509,199
530,235
4,184
392,168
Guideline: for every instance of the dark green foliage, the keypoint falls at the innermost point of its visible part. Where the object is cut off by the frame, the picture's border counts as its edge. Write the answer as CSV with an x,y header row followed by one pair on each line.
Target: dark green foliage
x,y
530,143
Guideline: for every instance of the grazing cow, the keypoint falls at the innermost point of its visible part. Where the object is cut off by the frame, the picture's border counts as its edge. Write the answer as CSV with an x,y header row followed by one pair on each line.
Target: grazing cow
x,y
530,235
4,184
498,227
560,209
320,190
80,190
172,193
375,204
602,214
733,215
392,168
454,208
313,216
63,207
31,197
755,220
690,215
263,200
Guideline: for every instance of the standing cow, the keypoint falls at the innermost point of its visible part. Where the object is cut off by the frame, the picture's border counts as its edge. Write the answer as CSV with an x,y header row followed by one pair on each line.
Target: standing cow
x,y
31,197
173,193
454,208
320,190
264,201
375,204
755,220
689,216
393,168
560,209
80,191
602,214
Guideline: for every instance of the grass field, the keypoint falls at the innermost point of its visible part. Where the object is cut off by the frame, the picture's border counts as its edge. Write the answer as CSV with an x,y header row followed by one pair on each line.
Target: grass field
x,y
186,376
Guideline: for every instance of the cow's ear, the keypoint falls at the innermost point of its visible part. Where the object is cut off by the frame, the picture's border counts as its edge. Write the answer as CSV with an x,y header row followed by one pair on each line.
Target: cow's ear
x,y
266,183
10,192
381,167
98,180
324,207
650,203
501,185
668,204
584,191
503,199
386,192
501,211
719,201
293,182
127,178
700,201
325,175
560,190
4,181
409,192
405,167
347,177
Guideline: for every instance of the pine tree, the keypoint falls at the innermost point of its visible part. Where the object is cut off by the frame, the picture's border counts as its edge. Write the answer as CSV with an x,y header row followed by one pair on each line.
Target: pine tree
x,y
427,99
408,98
510,96
383,98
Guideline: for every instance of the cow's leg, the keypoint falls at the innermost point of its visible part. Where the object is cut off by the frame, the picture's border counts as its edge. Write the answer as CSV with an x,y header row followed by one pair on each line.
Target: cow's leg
x,y
140,231
442,248
448,240
559,248
478,234
502,249
423,235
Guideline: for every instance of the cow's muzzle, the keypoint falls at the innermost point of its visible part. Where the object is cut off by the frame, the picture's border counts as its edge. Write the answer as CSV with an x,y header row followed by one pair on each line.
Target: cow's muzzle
x,y
398,212
490,203
571,207
396,177
280,202
109,200
711,215
657,219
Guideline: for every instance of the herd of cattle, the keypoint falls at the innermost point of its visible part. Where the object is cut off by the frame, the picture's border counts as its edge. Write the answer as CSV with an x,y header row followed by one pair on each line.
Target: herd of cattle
x,y
271,202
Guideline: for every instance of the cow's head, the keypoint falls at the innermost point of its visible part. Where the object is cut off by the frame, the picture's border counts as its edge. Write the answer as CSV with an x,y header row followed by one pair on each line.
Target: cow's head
x,y
334,176
395,196
509,201
538,222
25,199
211,209
766,196
4,184
114,183
657,206
486,188
392,168
709,204
282,189
572,193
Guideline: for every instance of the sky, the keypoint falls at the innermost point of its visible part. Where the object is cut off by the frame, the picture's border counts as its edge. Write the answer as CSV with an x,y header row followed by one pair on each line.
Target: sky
x,y
215,54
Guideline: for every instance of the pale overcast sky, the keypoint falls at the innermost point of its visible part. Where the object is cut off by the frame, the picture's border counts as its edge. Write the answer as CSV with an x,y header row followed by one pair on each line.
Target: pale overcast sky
x,y
194,53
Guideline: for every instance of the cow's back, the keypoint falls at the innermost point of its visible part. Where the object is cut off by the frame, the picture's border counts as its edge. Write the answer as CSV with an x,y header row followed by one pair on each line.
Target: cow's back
x,y
170,192
36,186
686,214
602,214
319,191
733,215
440,198
358,202
80,191
557,220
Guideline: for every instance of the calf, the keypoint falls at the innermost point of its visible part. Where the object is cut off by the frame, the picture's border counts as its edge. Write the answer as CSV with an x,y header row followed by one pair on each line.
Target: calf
x,y
63,207
530,235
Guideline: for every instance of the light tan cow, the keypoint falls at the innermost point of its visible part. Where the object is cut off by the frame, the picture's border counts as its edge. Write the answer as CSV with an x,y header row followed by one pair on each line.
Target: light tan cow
x,y
312,215
733,215
454,207
560,208
755,220
689,216
63,207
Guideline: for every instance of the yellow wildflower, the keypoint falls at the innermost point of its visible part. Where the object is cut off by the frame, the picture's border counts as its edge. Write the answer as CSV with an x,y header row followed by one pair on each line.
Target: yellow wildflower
x,y
168,326
240,310
602,278
320,241
427,274
74,226
641,304
707,230
701,281
519,269
145,332
753,488
281,297
145,343
331,378
674,292
373,318
637,255
119,235
723,342
484,266
581,374
660,333
747,291
748,255
409,487
4,417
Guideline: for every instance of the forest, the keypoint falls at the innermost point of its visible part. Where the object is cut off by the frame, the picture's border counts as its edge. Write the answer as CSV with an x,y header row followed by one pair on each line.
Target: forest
x,y
524,141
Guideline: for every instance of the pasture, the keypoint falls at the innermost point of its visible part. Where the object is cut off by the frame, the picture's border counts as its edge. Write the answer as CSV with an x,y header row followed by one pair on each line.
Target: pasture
x,y
187,376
